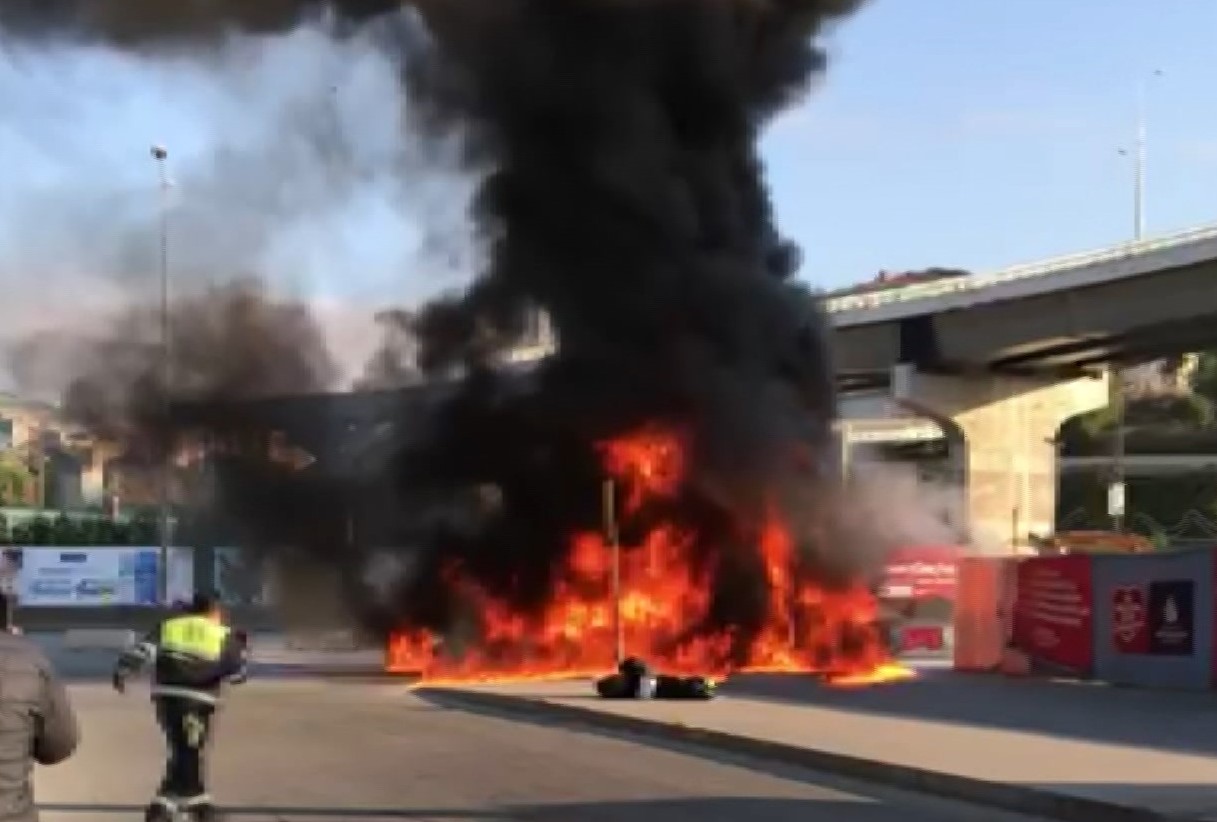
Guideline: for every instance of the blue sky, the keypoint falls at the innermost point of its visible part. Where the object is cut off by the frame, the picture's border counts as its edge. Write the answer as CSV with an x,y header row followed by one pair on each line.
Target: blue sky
x,y
970,133
985,133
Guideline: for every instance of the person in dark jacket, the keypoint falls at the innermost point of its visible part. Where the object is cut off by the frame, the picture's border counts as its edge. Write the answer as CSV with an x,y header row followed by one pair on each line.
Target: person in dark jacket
x,y
193,654
37,723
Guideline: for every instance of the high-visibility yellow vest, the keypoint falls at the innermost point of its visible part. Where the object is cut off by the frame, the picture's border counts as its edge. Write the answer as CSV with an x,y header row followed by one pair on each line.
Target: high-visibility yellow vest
x,y
195,636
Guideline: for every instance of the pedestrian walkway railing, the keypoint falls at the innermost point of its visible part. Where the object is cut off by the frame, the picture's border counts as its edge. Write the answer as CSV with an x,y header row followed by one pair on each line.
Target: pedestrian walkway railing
x,y
974,282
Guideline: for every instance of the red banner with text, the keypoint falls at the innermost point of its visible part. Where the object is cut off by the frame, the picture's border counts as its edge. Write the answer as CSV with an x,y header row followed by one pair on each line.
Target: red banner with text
x,y
921,571
1054,612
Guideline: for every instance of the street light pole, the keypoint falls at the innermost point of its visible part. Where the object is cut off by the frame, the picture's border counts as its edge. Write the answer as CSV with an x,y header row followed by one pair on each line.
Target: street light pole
x,y
1116,490
161,155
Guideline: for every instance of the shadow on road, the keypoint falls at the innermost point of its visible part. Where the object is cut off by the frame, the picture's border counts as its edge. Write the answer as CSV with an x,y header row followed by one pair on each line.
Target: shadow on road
x,y
1182,722
768,766
703,809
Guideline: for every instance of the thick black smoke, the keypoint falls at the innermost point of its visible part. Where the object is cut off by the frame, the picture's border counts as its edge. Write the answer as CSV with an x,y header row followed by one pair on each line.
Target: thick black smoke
x,y
626,198
140,23
230,343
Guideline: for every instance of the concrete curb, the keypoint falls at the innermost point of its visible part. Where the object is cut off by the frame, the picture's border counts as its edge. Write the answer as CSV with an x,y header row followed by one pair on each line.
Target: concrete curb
x,y
1017,798
98,639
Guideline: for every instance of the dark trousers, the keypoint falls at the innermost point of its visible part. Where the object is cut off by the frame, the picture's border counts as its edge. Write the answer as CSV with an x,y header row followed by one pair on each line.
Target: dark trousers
x,y
187,727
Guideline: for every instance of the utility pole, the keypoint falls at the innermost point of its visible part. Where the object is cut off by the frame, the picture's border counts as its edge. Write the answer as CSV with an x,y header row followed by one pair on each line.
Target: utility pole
x,y
164,490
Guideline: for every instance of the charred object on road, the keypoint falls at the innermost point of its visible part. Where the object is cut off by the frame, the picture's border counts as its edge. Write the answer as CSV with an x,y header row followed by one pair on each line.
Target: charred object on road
x,y
635,680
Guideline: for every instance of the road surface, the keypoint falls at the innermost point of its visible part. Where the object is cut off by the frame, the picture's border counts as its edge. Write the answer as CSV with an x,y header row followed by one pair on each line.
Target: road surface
x,y
314,750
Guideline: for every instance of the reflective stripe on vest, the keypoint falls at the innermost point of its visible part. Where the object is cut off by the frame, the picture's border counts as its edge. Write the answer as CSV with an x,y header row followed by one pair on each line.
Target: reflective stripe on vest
x,y
194,636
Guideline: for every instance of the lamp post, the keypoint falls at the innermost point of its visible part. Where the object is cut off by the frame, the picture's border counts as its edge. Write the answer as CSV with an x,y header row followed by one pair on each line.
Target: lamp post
x,y
160,156
1116,489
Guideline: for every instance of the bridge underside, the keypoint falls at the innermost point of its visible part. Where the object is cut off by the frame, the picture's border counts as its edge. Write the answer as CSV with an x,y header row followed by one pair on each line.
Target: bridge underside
x,y
1134,346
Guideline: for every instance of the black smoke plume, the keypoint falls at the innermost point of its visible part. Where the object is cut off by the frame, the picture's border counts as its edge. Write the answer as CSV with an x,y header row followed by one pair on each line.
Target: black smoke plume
x,y
625,197
628,200
229,343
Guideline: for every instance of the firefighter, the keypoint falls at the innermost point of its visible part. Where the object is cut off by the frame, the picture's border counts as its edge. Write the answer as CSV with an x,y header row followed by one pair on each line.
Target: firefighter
x,y
193,654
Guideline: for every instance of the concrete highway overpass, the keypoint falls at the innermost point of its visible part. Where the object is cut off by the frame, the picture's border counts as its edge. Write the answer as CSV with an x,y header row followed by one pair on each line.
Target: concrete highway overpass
x,y
1000,361
1134,301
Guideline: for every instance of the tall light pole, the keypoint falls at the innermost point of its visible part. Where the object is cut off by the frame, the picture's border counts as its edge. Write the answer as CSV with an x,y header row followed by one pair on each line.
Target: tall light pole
x,y
1116,490
161,156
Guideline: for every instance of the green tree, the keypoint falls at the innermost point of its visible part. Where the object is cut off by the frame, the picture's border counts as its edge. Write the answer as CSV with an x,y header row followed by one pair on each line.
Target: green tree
x,y
64,531
88,530
1188,411
1166,424
1204,378
19,534
111,532
41,530
16,479
143,529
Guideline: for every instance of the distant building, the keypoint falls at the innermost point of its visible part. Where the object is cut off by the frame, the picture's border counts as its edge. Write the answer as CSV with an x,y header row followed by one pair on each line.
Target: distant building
x,y
1169,377
67,466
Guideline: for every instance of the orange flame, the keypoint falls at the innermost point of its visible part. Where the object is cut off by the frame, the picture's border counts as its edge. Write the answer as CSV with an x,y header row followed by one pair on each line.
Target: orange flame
x,y
662,594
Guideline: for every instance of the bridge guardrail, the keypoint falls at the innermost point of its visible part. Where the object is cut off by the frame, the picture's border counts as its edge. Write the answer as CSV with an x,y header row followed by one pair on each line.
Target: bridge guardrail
x,y
973,282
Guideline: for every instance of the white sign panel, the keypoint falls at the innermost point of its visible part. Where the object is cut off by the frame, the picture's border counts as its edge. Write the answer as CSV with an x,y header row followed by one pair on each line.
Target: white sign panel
x,y
92,577
179,575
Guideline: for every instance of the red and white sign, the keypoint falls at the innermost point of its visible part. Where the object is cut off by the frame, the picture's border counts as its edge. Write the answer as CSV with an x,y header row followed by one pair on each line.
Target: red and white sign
x,y
1053,616
1129,625
922,638
921,571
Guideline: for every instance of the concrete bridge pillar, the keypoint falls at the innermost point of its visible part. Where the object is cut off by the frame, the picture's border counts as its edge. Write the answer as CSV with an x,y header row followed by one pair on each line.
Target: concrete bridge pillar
x,y
1008,428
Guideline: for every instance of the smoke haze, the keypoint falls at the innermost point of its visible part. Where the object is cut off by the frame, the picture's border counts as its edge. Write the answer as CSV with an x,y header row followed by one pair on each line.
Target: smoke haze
x,y
612,149
291,162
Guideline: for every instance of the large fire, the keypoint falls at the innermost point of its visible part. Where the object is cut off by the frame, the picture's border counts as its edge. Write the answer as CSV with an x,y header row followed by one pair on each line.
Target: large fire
x,y
662,593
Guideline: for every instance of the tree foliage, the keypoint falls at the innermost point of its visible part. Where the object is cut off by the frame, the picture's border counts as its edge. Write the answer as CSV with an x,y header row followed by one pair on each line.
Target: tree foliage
x,y
53,528
16,479
1170,424
1204,379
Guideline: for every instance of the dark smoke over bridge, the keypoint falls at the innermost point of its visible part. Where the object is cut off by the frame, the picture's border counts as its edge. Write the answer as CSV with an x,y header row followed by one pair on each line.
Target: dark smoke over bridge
x,y
624,195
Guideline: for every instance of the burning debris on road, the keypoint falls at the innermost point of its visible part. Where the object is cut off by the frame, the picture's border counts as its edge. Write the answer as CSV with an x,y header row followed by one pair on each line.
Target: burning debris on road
x,y
623,194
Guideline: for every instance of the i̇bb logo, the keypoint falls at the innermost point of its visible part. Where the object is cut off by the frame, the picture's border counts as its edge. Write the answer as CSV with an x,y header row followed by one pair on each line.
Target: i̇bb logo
x,y
1130,633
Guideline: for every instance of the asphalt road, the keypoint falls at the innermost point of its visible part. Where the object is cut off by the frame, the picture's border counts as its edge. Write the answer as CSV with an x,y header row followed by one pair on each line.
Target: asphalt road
x,y
311,750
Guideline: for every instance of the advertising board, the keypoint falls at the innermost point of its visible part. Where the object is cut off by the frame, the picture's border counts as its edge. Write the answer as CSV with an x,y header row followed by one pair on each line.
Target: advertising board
x,y
1154,619
179,575
88,576
920,572
1053,612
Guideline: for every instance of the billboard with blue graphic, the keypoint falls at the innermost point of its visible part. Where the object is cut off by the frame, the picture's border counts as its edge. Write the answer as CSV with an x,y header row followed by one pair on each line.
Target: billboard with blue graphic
x,y
90,577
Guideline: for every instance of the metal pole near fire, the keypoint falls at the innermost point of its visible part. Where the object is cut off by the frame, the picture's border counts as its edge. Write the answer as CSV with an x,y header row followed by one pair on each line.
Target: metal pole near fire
x,y
160,155
612,538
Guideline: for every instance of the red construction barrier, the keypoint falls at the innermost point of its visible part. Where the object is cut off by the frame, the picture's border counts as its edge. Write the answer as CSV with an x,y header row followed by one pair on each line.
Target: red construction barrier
x,y
984,612
1054,612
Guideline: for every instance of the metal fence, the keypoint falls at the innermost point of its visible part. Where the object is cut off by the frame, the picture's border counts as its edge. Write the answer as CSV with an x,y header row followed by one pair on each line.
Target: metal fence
x,y
1195,529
